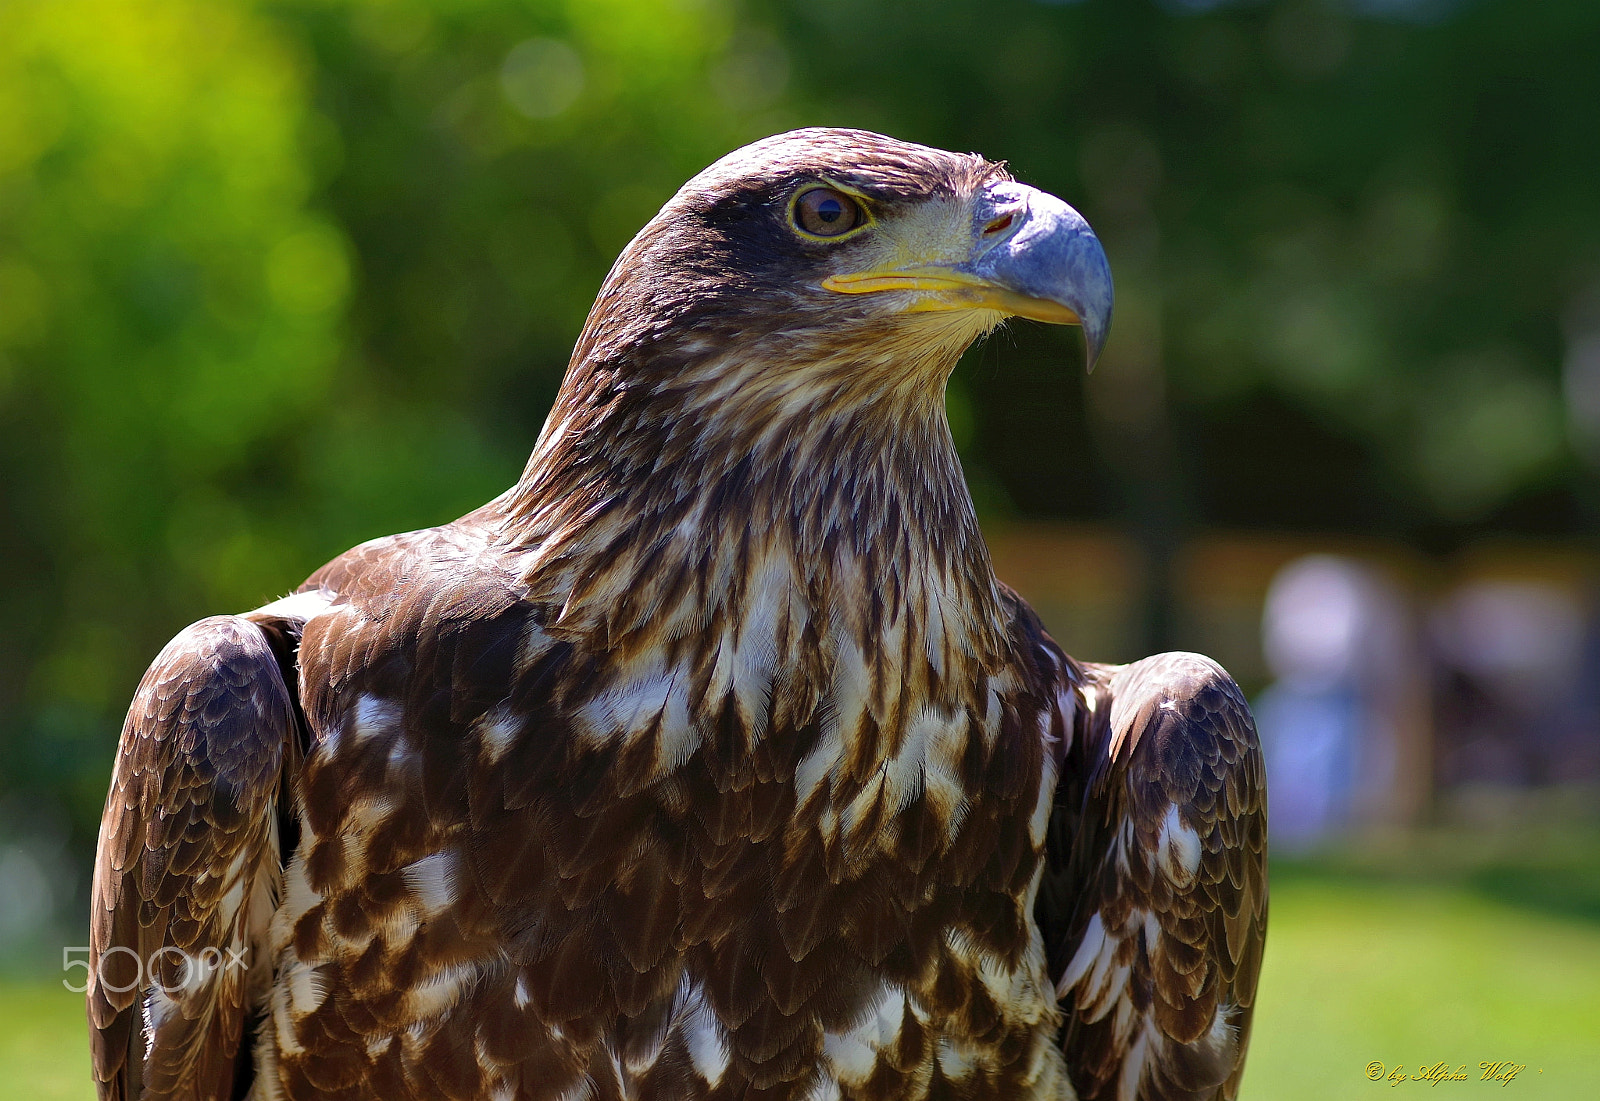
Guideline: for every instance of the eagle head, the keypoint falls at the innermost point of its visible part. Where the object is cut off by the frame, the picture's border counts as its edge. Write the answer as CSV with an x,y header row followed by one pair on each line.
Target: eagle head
x,y
764,371
844,247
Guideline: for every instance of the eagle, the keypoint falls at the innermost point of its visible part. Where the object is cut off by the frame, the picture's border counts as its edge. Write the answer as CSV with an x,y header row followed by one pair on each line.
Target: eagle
x,y
710,760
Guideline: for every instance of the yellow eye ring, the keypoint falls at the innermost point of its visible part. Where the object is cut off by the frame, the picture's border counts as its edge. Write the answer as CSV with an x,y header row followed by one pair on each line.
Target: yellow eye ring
x,y
824,213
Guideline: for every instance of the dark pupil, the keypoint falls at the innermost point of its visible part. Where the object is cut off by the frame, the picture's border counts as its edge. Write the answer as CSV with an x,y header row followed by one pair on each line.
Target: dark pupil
x,y
826,212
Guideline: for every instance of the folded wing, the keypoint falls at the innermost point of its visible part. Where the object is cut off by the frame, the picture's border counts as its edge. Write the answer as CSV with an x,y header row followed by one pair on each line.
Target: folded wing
x,y
1154,903
188,867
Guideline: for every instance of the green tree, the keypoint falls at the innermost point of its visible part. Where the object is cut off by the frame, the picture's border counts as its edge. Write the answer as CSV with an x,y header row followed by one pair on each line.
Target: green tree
x,y
170,309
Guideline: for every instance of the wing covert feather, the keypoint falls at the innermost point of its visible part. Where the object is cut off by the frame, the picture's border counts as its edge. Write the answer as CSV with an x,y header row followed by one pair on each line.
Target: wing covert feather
x,y
187,865
1154,905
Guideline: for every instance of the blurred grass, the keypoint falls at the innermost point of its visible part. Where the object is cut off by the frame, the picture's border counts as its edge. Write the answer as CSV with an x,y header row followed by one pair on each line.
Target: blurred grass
x,y
44,1043
1412,974
1444,947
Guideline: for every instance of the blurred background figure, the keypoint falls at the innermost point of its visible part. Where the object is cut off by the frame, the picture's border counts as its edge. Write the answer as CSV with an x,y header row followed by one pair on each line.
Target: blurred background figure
x,y
1515,684
1340,724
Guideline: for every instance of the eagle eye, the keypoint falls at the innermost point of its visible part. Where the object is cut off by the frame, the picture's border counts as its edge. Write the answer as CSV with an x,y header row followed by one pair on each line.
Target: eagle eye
x,y
825,212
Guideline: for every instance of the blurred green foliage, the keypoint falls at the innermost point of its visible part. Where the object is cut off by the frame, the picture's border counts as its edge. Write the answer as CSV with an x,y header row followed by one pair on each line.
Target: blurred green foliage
x,y
280,276
171,310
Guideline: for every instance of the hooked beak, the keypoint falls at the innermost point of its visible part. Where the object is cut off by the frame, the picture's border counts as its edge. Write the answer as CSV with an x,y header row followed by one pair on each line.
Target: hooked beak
x,y
1028,255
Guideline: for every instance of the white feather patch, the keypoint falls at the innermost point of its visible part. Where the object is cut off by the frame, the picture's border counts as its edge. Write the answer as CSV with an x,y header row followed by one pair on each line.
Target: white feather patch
x,y
850,1057
955,1060
158,1008
889,1015
441,990
825,1089
433,881
703,1036
298,606
1089,950
1133,1064
1177,848
652,693
1152,931
929,760
375,717
298,896
496,731
228,905
1122,1024
283,1021
852,685
307,988
852,688
819,764
755,657
853,1054
1109,991
1044,801
1222,1035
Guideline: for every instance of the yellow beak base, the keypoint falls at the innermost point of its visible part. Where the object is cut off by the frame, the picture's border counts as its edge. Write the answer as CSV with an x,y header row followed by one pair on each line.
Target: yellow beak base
x,y
944,289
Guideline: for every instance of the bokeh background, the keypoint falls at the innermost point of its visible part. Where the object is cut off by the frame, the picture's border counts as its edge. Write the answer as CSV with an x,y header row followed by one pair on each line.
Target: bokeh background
x,y
278,277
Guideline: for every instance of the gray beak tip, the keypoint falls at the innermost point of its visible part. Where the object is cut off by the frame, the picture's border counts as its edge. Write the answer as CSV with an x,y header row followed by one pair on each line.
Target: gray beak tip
x,y
1094,338
1055,256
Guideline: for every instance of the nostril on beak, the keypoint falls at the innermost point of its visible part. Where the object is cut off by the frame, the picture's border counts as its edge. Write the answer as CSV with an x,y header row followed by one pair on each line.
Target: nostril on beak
x,y
999,225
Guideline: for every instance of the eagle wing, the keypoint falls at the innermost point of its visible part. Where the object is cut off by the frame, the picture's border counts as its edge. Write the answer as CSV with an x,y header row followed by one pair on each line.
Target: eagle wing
x,y
1154,900
188,860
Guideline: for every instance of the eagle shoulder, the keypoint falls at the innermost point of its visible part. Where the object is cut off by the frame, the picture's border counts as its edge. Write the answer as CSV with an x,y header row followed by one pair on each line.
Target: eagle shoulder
x,y
187,866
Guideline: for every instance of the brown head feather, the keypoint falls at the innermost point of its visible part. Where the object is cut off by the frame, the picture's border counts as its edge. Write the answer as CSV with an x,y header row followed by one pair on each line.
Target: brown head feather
x,y
718,390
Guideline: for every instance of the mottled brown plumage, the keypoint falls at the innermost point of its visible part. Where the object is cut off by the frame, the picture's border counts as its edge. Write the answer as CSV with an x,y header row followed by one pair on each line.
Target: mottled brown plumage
x,y
710,760
1157,863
